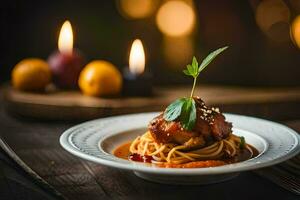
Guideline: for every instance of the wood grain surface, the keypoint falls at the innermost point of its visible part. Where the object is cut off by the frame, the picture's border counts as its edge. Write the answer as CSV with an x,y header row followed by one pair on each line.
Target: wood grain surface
x,y
36,144
72,105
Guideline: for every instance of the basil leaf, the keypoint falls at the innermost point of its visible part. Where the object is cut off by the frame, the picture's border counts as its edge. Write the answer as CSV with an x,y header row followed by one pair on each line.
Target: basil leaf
x,y
190,69
186,72
173,111
195,66
188,114
210,58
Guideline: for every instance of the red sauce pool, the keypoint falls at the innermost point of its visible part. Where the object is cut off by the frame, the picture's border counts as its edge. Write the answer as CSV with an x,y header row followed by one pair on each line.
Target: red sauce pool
x,y
140,158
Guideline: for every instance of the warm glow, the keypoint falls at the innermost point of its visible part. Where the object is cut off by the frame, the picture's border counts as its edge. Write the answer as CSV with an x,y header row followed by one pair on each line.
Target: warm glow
x,y
65,40
295,31
137,8
272,17
137,57
175,18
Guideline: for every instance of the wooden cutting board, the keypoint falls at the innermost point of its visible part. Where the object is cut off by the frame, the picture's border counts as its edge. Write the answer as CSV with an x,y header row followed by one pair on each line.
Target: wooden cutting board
x,y
72,105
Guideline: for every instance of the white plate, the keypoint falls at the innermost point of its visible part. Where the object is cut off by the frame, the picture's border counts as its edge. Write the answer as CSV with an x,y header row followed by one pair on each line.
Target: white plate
x,y
95,140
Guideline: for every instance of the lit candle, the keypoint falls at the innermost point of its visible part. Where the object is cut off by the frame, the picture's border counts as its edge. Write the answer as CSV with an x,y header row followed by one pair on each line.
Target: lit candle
x,y
137,58
66,63
136,81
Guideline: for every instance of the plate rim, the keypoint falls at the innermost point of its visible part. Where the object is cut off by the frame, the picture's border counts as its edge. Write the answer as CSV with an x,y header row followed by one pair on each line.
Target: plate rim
x,y
140,167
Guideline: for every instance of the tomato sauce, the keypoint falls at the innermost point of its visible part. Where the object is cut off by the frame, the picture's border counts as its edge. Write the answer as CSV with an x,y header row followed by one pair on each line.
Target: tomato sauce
x,y
140,158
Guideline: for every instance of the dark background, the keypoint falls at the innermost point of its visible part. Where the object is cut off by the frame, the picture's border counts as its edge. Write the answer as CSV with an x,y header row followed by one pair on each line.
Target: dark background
x,y
257,55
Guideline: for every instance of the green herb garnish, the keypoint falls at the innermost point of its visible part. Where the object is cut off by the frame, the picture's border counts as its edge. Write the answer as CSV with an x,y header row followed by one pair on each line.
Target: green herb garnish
x,y
242,142
185,108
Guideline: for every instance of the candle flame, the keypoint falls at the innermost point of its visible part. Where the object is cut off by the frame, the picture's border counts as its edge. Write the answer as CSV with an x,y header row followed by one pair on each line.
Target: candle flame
x,y
137,57
65,40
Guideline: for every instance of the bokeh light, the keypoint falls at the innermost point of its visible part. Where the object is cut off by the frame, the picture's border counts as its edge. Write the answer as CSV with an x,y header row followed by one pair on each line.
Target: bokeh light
x,y
137,9
272,16
178,51
295,31
176,18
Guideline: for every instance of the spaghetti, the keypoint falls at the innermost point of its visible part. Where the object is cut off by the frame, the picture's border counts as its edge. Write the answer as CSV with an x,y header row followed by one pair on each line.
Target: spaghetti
x,y
171,153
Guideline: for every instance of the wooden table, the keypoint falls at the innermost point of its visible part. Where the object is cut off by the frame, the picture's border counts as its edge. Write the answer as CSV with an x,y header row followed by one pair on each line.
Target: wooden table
x,y
36,144
278,103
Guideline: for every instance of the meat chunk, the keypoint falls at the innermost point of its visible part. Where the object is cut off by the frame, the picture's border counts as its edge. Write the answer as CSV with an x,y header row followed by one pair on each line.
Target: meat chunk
x,y
169,132
220,128
210,126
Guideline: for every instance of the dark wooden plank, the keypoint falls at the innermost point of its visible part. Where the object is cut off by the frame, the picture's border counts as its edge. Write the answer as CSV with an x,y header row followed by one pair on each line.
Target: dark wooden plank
x,y
18,184
112,181
36,143
235,189
63,171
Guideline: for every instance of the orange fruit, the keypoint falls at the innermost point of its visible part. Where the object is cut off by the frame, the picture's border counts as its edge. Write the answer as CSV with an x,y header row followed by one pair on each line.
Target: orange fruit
x,y
31,74
100,78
